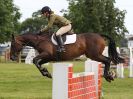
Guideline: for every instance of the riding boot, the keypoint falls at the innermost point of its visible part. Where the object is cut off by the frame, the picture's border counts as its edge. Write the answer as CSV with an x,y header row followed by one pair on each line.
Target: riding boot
x,y
60,43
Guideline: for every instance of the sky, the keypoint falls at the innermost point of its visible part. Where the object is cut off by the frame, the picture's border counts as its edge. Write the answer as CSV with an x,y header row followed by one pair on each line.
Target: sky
x,y
27,7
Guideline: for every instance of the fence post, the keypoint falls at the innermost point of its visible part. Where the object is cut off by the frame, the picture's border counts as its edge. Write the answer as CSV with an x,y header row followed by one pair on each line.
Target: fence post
x,y
69,85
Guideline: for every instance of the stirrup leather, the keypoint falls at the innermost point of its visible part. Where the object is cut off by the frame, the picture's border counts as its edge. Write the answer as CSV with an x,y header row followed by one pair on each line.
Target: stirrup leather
x,y
60,42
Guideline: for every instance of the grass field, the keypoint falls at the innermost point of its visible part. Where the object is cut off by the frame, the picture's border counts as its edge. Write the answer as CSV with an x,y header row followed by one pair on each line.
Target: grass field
x,y
21,81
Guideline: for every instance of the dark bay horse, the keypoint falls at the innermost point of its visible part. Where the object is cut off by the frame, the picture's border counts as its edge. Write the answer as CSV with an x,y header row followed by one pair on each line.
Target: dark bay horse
x,y
90,44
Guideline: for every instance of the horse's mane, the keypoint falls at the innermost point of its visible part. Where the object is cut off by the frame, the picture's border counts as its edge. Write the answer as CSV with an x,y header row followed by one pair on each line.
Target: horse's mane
x,y
39,37
36,34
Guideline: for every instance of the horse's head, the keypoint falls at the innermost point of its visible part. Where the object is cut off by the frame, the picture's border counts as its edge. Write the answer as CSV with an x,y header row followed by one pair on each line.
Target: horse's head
x,y
16,47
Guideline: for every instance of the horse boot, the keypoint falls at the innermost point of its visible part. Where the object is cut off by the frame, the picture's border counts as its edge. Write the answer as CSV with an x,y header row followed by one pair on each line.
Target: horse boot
x,y
60,43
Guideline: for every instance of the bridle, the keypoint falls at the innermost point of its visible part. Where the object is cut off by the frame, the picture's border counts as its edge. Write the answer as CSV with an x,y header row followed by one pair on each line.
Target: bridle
x,y
20,44
23,44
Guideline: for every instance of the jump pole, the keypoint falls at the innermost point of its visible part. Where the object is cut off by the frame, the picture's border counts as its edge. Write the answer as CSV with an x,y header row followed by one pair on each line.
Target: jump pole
x,y
131,63
120,70
69,85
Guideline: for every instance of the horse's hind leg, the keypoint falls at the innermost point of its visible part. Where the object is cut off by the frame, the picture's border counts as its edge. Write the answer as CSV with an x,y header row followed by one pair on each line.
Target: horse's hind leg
x,y
107,74
105,60
39,60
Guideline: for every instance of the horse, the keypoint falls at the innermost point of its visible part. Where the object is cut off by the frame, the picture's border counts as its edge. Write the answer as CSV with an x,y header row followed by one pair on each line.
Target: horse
x,y
89,44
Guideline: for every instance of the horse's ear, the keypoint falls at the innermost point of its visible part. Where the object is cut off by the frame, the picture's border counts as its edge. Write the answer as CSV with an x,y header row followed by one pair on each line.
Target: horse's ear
x,y
13,38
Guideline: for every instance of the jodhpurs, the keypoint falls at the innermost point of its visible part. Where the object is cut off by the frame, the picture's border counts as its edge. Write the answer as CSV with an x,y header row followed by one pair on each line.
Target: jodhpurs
x,y
64,29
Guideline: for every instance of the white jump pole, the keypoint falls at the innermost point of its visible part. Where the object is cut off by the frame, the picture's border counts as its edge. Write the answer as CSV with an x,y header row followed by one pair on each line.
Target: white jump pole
x,y
93,67
60,81
120,71
69,85
30,56
120,68
131,63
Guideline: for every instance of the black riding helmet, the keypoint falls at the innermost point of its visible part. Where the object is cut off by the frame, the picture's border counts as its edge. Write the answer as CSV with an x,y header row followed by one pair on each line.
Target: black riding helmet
x,y
45,9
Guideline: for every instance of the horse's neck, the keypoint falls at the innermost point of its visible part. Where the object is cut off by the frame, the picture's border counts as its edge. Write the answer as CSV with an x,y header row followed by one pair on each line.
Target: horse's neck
x,y
34,40
29,40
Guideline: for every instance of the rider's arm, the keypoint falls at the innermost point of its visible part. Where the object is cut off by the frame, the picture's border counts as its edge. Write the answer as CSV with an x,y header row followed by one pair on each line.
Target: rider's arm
x,y
50,23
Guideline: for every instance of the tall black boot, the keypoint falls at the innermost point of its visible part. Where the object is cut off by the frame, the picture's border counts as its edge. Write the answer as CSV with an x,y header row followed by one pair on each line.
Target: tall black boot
x,y
60,43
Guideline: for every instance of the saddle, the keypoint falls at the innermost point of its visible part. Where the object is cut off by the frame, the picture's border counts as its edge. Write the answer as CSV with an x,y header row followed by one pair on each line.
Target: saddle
x,y
67,39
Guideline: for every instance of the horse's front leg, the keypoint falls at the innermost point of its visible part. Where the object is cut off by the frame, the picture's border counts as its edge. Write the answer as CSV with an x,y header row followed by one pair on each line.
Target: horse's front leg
x,y
38,60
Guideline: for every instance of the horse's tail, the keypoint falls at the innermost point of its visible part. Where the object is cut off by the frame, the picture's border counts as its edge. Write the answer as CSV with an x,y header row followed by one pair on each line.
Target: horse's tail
x,y
113,54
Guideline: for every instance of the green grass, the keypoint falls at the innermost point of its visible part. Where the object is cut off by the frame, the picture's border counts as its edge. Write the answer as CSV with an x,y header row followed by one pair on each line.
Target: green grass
x,y
21,81
120,88
2,59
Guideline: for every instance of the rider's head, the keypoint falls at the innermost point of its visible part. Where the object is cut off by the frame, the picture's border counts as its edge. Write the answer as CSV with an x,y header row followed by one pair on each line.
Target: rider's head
x,y
46,11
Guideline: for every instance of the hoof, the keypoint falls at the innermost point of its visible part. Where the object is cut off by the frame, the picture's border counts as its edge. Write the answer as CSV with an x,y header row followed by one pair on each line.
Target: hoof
x,y
110,76
49,75
46,73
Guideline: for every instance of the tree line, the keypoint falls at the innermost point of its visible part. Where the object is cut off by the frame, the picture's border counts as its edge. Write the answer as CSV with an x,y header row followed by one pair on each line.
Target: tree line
x,y
97,16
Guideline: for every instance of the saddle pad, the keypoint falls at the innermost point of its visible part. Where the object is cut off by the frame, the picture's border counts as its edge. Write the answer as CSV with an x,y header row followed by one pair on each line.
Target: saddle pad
x,y
69,39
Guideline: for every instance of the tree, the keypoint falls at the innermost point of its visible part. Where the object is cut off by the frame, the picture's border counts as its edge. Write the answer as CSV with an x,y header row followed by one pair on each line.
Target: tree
x,y
34,24
99,16
9,15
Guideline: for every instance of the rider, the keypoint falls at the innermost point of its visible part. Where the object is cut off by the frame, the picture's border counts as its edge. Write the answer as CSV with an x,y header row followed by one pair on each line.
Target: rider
x,y
54,19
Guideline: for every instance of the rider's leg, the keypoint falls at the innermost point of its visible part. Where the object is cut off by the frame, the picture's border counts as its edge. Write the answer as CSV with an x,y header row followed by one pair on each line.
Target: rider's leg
x,y
64,29
60,32
60,43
